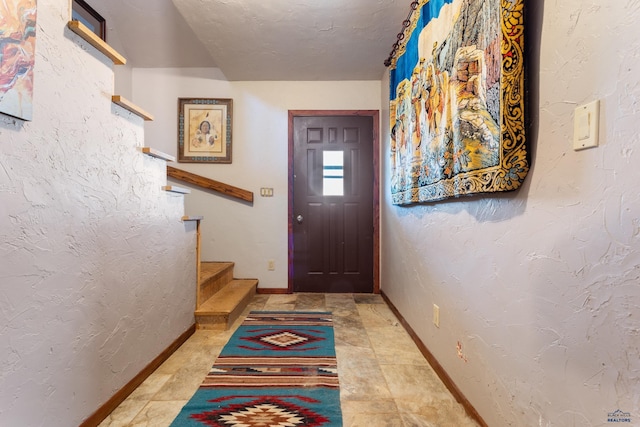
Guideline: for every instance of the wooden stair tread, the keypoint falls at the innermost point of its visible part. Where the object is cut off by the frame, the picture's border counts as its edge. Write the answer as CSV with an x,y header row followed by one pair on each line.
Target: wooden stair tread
x,y
227,299
175,189
95,41
192,217
211,269
157,154
130,106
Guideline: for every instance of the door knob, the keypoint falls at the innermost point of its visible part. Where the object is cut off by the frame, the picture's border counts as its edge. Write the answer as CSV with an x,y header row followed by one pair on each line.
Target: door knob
x,y
299,218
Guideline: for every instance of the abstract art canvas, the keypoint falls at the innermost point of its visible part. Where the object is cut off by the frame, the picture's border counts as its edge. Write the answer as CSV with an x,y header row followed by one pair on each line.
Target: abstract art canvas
x,y
17,57
457,100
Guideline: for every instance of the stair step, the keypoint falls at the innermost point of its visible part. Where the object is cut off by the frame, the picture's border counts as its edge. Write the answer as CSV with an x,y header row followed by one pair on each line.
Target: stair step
x,y
213,277
211,269
176,189
222,309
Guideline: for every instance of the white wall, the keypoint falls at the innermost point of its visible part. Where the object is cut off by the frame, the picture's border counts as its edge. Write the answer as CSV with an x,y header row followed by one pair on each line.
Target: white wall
x,y
122,73
92,252
231,230
541,287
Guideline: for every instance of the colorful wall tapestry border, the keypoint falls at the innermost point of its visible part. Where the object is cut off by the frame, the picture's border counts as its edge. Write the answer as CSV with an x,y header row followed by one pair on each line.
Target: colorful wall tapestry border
x,y
457,101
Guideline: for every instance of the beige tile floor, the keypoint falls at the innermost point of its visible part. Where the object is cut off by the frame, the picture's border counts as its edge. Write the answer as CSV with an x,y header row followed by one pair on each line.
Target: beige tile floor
x,y
384,379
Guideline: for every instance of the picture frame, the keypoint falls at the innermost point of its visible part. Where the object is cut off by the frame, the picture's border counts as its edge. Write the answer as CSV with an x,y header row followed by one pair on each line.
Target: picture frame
x,y
205,130
81,11
457,101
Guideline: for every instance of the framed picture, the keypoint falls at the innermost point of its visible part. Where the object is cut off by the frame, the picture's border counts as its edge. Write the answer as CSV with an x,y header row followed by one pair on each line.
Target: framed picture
x,y
204,130
17,57
81,11
457,101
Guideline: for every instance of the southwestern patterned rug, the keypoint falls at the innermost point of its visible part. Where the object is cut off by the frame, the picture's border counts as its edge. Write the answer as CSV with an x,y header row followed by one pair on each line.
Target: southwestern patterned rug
x,y
277,370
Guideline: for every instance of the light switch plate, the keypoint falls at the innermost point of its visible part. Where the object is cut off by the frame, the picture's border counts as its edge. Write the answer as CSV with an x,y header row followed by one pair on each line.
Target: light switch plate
x,y
585,125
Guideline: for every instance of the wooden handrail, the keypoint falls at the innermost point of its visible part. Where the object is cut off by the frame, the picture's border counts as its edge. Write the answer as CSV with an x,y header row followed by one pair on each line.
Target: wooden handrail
x,y
210,184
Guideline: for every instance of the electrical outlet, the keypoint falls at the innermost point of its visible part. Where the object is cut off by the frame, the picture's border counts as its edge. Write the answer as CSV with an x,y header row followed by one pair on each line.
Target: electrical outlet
x,y
436,315
271,265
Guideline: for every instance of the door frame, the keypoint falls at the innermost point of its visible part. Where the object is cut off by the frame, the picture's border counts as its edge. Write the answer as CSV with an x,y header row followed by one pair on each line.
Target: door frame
x,y
375,115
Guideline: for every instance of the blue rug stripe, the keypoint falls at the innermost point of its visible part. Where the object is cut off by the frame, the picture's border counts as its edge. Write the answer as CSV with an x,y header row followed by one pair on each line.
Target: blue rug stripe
x,y
325,402
250,341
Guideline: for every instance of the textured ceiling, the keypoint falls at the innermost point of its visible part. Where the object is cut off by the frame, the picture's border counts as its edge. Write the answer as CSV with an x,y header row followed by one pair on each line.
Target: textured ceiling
x,y
258,40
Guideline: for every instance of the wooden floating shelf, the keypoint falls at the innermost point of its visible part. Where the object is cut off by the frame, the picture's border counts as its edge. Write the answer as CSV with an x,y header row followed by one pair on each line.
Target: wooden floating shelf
x,y
192,218
80,29
158,154
174,189
128,105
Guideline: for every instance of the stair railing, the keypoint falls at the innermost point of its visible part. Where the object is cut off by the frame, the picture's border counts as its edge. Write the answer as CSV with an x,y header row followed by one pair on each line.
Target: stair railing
x,y
210,184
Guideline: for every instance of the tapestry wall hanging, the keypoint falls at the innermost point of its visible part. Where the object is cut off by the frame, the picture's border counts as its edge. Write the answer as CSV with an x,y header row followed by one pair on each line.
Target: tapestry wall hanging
x,y
17,57
457,100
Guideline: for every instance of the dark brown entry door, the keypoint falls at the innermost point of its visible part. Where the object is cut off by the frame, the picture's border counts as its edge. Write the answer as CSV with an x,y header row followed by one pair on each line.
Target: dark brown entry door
x,y
332,222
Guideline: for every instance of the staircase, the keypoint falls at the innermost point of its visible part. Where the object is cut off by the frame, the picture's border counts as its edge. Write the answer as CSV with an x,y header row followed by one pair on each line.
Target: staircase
x,y
221,298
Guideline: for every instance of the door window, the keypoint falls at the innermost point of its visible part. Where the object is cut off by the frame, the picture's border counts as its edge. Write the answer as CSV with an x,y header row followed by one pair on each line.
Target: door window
x,y
333,173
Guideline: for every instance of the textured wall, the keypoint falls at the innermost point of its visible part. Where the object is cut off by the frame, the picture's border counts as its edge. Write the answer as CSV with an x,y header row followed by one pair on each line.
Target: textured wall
x,y
538,290
231,230
97,271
